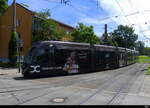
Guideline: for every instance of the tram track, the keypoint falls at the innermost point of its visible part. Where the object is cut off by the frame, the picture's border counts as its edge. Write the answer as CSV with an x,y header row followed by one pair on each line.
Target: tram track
x,y
116,98
94,77
107,80
107,84
48,92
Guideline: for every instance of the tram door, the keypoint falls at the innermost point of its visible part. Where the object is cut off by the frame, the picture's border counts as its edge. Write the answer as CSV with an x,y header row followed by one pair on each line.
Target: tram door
x,y
84,61
92,58
121,60
46,60
60,59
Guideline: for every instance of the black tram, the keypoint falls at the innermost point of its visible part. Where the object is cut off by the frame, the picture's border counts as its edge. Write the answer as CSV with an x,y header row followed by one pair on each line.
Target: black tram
x,y
57,57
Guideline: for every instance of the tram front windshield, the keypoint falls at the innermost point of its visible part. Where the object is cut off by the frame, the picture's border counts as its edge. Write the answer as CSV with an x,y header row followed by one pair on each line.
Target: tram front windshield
x,y
34,55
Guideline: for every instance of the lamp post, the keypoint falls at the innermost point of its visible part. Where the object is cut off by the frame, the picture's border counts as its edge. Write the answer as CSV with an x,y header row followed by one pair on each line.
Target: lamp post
x,y
14,16
14,30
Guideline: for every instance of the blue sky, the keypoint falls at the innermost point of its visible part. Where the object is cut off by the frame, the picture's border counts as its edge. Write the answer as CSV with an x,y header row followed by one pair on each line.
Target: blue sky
x,y
88,12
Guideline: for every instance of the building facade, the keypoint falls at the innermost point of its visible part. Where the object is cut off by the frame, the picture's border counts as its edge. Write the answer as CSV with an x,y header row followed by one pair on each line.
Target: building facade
x,y
24,26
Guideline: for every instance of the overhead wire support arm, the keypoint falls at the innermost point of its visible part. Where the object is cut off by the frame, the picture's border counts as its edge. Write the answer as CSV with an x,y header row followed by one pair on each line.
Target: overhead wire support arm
x,y
139,25
122,11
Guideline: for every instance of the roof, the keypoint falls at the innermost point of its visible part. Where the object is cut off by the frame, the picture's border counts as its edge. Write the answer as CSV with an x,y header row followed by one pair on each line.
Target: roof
x,y
62,23
41,18
24,8
55,21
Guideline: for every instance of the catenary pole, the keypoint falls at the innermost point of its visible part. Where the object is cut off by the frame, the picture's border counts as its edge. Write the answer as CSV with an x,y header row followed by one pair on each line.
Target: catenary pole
x,y
14,16
14,29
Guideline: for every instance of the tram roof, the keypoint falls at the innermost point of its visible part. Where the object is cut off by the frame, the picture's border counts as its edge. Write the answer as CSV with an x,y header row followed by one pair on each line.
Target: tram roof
x,y
77,45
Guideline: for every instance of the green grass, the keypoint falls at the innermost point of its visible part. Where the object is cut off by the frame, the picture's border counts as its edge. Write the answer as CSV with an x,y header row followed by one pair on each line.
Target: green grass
x,y
144,59
148,71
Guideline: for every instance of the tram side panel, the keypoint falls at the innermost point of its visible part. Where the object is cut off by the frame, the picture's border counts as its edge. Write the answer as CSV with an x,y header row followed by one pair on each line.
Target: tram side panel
x,y
106,60
72,61
99,61
84,60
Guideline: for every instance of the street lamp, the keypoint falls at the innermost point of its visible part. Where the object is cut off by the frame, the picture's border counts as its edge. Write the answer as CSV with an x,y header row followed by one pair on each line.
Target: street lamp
x,y
14,30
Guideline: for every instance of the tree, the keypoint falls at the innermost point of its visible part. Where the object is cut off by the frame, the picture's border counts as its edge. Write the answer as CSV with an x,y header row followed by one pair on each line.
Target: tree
x,y
13,49
124,36
146,51
85,34
46,29
107,41
140,47
45,14
3,6
67,37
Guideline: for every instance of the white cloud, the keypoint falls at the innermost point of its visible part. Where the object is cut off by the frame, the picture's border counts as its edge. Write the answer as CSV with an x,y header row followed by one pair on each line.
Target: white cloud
x,y
95,21
126,7
129,12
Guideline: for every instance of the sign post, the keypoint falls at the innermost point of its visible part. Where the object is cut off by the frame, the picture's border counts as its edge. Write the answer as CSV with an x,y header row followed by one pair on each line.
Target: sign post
x,y
20,43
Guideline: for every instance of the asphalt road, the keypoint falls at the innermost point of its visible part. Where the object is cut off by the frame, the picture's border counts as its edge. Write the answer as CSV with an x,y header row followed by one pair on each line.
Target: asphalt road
x,y
124,86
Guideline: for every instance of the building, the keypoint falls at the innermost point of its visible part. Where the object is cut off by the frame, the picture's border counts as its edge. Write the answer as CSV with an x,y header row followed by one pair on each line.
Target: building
x,y
24,25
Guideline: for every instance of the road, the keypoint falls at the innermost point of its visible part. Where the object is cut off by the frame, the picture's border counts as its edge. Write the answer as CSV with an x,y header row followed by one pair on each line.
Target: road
x,y
124,86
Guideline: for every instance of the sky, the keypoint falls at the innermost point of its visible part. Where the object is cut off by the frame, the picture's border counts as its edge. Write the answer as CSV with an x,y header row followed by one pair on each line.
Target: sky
x,y
134,13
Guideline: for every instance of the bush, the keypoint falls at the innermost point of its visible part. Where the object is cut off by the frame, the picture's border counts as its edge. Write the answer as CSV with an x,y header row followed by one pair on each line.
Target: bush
x,y
13,49
8,65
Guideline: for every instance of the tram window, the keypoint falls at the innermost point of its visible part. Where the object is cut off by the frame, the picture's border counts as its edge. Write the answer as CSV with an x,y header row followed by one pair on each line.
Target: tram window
x,y
99,57
60,56
82,55
107,55
121,56
38,55
31,51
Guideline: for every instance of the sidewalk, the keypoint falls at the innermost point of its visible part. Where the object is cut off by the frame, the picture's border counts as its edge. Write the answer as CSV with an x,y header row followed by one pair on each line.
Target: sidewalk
x,y
8,71
145,90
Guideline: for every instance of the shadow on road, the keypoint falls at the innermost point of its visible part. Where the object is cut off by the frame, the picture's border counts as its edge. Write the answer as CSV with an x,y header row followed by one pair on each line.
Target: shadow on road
x,y
8,68
40,77
33,77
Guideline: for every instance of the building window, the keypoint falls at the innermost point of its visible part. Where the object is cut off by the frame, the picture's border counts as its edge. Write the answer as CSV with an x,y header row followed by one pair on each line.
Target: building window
x,y
19,35
18,22
67,32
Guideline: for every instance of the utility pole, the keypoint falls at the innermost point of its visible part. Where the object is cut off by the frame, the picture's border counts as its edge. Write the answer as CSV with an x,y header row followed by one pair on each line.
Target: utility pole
x,y
14,30
14,16
105,35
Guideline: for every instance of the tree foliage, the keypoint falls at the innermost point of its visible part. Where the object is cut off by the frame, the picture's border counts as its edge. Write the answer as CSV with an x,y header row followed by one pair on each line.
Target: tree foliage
x,y
12,55
108,40
46,29
45,14
67,37
124,36
140,47
146,51
85,34
3,6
